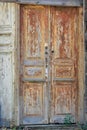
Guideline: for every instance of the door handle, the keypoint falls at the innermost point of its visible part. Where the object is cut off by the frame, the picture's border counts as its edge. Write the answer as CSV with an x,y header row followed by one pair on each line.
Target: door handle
x,y
46,61
52,51
46,49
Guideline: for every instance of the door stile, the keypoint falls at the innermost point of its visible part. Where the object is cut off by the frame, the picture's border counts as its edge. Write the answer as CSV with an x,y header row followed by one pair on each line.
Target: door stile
x,y
49,67
51,58
75,58
50,64
21,67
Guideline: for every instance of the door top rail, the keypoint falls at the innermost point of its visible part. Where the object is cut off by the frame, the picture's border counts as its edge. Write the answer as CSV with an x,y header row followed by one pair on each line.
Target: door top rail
x,y
49,2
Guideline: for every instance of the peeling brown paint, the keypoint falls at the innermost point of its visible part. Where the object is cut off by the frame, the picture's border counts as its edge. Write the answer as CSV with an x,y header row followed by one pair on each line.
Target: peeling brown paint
x,y
64,73
49,52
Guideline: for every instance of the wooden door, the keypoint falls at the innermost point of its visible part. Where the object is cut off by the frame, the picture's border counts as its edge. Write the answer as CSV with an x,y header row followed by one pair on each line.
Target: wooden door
x,y
34,36
64,43
48,90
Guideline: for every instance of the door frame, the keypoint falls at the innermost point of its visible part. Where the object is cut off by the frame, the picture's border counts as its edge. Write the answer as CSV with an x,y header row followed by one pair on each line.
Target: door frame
x,y
81,66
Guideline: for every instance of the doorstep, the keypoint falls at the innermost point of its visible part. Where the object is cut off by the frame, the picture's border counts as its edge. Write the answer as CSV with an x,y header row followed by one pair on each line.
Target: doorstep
x,y
51,127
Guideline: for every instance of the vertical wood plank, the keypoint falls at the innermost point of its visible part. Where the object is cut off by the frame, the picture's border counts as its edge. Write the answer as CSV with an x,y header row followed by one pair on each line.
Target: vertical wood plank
x,y
81,68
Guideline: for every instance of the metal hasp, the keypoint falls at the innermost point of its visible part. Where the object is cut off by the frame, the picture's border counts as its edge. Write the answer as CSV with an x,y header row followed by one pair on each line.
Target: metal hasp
x,y
49,2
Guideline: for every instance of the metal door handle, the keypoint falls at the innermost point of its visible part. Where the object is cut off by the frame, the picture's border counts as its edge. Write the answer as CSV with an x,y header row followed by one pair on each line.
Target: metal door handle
x,y
52,50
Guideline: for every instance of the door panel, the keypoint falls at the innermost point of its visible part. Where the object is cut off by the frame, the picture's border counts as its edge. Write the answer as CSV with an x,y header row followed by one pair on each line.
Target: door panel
x,y
49,56
33,102
64,63
34,35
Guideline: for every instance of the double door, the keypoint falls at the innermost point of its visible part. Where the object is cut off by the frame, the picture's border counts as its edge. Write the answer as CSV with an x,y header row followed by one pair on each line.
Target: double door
x,y
49,61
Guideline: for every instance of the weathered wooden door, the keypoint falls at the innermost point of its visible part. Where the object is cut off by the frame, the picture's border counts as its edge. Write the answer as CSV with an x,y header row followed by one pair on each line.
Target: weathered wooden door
x,y
64,45
49,57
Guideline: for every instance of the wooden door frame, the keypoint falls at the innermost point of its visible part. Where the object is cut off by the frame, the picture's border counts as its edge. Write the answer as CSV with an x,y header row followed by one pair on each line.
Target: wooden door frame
x,y
81,66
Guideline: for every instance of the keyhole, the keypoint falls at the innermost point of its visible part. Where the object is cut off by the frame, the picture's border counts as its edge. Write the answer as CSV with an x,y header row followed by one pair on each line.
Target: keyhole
x,y
52,51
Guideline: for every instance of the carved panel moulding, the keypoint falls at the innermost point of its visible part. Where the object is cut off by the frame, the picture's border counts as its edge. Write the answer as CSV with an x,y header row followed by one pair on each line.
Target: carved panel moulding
x,y
5,40
6,27
6,43
5,30
7,49
49,2
5,18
